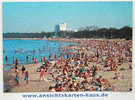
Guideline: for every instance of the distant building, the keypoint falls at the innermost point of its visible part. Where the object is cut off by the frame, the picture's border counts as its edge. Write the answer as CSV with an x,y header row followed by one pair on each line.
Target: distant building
x,y
63,27
60,27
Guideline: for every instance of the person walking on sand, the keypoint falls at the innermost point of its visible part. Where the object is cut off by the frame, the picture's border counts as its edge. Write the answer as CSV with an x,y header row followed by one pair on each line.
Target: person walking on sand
x,y
16,69
26,77
42,72
23,70
17,79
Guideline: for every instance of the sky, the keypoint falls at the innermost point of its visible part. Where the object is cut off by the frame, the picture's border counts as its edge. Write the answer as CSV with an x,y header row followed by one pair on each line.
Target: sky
x,y
25,17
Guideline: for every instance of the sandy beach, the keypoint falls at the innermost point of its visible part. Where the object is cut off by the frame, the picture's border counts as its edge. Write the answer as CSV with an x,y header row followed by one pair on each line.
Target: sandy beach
x,y
122,84
35,85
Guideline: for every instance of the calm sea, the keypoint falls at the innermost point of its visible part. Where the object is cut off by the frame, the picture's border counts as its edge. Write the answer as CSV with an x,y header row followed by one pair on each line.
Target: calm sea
x,y
21,48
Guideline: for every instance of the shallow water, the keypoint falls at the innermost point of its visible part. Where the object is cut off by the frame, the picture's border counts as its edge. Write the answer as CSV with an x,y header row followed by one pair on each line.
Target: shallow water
x,y
21,48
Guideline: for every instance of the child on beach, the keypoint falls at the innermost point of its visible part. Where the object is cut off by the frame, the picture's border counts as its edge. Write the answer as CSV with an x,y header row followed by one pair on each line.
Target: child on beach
x,y
26,77
17,79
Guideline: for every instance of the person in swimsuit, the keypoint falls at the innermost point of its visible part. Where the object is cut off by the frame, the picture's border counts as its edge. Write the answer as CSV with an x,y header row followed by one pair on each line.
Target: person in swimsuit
x,y
26,77
17,79
42,74
23,70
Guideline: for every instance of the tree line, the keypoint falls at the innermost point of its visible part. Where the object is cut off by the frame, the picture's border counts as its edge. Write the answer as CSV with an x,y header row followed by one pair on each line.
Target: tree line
x,y
94,32
87,32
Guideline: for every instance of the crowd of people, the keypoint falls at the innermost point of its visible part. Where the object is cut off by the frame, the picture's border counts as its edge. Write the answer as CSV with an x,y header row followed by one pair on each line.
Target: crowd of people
x,y
79,70
77,67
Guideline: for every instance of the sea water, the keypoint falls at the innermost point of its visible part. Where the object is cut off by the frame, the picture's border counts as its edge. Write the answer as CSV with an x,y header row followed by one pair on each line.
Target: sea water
x,y
21,48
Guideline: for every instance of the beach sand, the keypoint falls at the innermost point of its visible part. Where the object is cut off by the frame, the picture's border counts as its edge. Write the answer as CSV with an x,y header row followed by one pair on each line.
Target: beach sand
x,y
123,84
35,85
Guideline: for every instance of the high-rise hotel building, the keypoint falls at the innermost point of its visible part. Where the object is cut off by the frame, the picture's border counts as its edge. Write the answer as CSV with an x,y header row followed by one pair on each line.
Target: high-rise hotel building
x,y
60,27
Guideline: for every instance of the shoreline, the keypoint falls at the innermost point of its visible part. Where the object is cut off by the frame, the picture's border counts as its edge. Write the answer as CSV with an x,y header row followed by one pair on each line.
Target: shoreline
x,y
22,39
61,38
